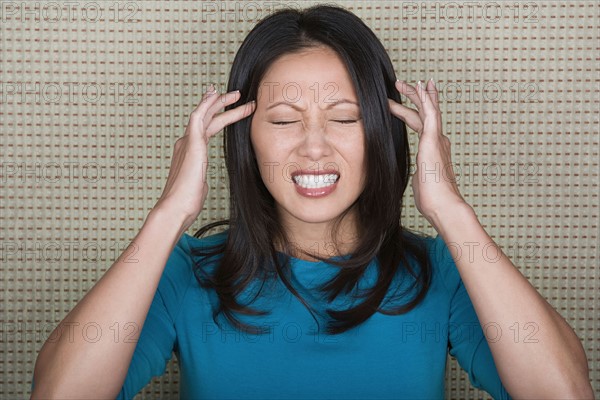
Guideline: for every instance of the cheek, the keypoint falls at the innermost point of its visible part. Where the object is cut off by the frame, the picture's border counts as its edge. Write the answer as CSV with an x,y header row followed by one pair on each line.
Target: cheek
x,y
259,144
352,149
271,146
265,158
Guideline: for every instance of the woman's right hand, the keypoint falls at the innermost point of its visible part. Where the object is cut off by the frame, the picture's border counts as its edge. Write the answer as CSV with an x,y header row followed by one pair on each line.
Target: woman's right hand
x,y
186,188
68,366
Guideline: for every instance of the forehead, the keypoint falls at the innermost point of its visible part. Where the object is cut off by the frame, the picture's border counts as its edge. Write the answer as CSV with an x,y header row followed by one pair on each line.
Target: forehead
x,y
315,71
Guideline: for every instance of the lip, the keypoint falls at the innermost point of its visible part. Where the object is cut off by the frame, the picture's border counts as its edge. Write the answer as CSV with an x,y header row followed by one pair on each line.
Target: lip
x,y
315,192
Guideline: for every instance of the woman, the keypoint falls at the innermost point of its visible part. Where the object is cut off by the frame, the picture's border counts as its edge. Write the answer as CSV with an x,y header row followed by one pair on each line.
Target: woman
x,y
315,290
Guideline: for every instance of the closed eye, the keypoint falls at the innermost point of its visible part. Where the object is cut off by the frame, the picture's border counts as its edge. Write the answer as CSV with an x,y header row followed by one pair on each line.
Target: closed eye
x,y
345,121
283,122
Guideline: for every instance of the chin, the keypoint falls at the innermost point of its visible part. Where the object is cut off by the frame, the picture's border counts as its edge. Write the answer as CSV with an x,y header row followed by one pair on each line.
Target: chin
x,y
315,219
311,215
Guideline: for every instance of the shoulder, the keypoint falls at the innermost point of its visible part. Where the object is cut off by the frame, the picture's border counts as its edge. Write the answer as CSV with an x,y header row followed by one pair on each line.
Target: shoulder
x,y
188,248
205,251
178,274
196,245
442,262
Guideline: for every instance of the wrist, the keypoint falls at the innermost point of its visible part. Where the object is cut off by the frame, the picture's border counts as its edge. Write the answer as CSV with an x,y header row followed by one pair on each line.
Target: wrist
x,y
170,221
450,217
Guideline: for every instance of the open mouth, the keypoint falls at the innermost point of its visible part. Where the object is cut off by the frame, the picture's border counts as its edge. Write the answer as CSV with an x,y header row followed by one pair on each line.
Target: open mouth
x,y
315,181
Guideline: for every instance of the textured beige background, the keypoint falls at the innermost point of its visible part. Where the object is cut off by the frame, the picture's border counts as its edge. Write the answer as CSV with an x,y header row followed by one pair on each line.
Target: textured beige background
x,y
94,93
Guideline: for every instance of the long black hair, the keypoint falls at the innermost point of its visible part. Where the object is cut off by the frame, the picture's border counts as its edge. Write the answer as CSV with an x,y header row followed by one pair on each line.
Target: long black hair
x,y
248,253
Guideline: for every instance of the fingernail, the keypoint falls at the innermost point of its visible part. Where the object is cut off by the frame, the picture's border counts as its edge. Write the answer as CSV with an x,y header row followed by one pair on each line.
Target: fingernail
x,y
212,89
432,81
419,84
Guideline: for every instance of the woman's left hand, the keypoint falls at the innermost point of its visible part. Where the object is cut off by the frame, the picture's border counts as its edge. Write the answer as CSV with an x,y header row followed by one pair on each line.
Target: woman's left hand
x,y
434,183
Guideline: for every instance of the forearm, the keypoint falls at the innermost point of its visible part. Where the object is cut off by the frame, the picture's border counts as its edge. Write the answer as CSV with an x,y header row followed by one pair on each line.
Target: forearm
x,y
551,363
89,353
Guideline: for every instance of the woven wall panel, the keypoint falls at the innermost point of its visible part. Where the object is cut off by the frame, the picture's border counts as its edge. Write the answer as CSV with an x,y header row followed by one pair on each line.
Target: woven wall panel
x,y
94,93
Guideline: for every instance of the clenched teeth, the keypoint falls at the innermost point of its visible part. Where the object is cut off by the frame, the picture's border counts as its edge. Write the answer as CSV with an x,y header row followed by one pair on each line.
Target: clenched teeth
x,y
316,181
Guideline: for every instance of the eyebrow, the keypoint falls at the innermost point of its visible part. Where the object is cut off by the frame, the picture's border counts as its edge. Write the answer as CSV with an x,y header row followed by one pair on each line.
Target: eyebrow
x,y
293,105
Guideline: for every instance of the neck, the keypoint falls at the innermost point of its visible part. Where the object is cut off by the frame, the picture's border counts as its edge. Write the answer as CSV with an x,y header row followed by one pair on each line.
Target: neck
x,y
315,237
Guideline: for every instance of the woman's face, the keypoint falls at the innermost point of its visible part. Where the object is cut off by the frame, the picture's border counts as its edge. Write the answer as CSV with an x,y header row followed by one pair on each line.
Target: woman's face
x,y
307,134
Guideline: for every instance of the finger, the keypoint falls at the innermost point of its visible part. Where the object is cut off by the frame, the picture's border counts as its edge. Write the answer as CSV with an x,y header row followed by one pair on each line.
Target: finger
x,y
228,117
410,92
428,106
207,99
195,123
223,101
434,95
209,92
431,122
408,115
200,122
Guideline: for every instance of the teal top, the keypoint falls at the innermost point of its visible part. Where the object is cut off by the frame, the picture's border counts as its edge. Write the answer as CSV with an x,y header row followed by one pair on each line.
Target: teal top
x,y
387,356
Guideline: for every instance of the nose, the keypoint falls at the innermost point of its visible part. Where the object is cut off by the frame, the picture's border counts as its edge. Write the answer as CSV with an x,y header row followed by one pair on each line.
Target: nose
x,y
315,144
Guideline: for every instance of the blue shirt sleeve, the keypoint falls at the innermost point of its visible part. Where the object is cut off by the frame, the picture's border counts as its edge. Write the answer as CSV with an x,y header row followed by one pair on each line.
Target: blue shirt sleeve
x,y
158,338
467,343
